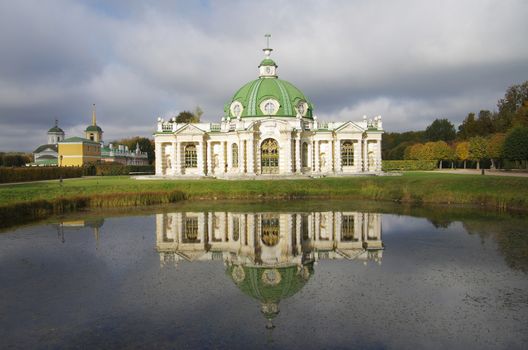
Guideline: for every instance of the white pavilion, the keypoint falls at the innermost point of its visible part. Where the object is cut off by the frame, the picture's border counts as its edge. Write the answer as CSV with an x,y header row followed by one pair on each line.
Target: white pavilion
x,y
269,129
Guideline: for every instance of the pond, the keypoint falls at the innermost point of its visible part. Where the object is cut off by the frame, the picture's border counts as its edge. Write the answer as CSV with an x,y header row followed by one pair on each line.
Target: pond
x,y
286,275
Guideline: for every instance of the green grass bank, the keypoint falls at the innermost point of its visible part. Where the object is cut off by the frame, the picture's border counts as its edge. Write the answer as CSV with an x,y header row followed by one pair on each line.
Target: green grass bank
x,y
36,200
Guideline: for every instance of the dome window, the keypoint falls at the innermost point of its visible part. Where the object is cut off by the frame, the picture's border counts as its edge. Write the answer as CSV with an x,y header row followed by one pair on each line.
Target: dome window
x,y
302,108
236,109
269,107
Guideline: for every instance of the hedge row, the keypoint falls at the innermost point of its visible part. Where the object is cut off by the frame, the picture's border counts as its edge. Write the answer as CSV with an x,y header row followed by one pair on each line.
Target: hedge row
x,y
119,169
391,165
38,173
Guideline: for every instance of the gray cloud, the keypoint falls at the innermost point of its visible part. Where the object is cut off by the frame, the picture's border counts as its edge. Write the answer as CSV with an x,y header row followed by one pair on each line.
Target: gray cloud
x,y
410,61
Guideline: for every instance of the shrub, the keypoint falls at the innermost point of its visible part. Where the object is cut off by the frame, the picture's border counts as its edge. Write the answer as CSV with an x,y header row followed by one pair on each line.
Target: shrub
x,y
38,173
402,165
113,169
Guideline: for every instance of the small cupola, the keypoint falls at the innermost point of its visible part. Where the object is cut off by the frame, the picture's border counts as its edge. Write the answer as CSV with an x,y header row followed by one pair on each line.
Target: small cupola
x,y
268,67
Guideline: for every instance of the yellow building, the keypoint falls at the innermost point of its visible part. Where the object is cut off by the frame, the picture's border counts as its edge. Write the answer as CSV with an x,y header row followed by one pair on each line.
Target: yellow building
x,y
76,151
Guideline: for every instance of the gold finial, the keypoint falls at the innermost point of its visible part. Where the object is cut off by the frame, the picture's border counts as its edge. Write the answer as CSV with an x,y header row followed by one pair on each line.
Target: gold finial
x,y
93,115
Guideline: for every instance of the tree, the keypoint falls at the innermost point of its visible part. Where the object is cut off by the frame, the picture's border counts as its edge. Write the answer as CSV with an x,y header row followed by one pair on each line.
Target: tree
x,y
394,143
462,151
478,149
468,128
513,100
198,112
441,152
485,123
187,117
440,130
428,151
516,145
521,116
414,152
495,147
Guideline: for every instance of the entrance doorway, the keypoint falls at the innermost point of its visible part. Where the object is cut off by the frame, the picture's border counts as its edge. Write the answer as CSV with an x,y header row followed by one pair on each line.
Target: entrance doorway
x,y
269,156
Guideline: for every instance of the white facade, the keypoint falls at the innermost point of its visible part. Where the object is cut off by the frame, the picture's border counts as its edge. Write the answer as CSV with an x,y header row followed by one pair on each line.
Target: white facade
x,y
235,147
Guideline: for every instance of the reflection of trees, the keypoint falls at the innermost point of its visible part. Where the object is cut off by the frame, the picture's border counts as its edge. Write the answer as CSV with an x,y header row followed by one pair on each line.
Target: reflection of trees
x,y
509,230
511,237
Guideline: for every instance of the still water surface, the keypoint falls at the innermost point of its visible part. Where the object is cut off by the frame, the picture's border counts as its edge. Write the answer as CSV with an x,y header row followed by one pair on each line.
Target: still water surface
x,y
266,276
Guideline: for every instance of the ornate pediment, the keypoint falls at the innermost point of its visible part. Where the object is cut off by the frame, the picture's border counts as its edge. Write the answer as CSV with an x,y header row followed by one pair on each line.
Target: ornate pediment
x,y
189,129
349,127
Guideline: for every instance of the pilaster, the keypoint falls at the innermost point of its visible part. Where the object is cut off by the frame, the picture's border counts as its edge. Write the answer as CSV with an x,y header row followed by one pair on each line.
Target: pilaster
x,y
298,154
176,159
250,156
200,158
159,158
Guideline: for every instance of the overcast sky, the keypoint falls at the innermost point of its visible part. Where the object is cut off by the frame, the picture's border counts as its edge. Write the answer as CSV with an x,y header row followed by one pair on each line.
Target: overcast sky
x,y
408,61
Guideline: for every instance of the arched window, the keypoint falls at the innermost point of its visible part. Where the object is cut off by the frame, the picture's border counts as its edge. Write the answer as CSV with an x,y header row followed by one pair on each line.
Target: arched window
x,y
190,156
269,108
347,153
234,155
305,155
270,229
269,156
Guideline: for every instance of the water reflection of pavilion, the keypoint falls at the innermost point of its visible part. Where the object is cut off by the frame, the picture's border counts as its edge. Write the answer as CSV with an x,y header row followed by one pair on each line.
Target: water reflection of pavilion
x,y
268,239
269,256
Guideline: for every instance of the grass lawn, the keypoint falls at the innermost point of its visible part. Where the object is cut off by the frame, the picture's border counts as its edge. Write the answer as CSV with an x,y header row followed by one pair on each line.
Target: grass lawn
x,y
412,187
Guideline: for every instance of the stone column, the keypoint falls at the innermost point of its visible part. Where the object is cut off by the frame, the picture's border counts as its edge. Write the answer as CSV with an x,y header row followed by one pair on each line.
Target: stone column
x,y
209,156
229,149
250,156
310,155
317,156
365,160
173,169
378,155
298,154
221,158
337,156
285,156
240,156
200,158
159,157
358,163
176,158
298,237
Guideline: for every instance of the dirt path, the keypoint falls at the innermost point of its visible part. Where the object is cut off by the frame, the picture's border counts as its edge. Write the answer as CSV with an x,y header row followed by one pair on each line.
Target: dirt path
x,y
479,172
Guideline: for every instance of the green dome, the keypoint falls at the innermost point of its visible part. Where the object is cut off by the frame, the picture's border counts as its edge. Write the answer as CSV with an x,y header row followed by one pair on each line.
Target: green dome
x,y
268,62
254,281
94,128
56,129
252,94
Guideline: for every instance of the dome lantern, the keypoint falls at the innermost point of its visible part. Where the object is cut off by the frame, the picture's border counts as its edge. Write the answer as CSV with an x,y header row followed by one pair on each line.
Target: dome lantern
x,y
267,67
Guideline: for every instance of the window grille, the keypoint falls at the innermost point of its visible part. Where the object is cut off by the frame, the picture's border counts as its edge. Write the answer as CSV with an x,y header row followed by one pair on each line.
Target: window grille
x,y
347,154
191,159
347,228
234,153
190,229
